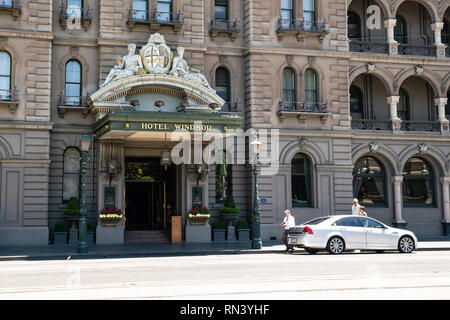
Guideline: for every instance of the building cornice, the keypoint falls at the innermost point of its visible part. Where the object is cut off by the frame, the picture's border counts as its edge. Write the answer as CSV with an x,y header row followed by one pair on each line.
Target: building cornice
x,y
27,34
28,125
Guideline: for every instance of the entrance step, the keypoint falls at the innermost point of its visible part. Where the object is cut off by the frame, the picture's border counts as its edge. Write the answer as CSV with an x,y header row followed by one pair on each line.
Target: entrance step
x,y
146,236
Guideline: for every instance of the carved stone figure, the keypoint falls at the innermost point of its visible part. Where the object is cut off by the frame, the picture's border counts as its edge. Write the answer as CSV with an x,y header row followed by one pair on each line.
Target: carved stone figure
x,y
373,147
181,69
127,66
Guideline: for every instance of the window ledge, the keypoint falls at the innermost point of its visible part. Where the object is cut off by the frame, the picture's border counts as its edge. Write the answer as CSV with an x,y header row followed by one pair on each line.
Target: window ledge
x,y
62,110
154,20
15,9
297,28
12,105
228,27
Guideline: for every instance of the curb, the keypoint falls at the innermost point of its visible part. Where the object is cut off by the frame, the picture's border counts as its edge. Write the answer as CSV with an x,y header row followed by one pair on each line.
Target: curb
x,y
77,256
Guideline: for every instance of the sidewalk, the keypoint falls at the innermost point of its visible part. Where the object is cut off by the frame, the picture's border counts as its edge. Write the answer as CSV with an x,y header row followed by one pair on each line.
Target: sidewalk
x,y
52,252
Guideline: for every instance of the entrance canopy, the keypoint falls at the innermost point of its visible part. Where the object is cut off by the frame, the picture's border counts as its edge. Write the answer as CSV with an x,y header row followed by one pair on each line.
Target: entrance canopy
x,y
151,94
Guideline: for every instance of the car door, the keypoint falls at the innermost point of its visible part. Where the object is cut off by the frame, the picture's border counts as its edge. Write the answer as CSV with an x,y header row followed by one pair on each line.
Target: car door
x,y
378,237
352,231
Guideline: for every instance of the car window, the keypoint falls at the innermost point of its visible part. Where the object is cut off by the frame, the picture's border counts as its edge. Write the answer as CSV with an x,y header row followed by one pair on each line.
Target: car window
x,y
348,222
369,223
316,221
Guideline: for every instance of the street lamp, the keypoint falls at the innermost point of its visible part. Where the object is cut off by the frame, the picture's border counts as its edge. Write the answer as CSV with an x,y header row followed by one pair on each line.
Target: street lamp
x,y
255,149
85,142
165,162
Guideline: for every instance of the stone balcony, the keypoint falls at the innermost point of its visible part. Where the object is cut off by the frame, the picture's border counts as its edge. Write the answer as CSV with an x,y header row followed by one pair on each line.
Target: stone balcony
x,y
228,27
401,125
12,6
303,110
73,103
70,17
9,99
302,29
155,19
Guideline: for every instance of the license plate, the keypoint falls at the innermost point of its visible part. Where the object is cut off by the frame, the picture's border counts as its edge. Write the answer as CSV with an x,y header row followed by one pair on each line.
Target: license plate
x,y
292,240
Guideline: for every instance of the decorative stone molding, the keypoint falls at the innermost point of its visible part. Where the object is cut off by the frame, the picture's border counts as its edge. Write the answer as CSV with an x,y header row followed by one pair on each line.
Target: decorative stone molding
x,y
418,70
370,67
423,148
373,147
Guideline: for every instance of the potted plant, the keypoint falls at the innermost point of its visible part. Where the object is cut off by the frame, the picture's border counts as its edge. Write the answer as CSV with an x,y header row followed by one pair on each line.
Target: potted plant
x,y
199,215
243,231
110,217
90,233
229,212
59,234
218,230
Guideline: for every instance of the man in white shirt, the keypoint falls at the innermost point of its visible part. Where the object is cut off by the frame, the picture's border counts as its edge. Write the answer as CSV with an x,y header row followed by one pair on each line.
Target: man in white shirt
x,y
356,207
288,222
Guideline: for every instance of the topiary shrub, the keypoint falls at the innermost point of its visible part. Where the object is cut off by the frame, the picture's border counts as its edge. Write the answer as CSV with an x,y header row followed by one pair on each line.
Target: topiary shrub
x,y
59,227
229,206
218,224
242,224
73,207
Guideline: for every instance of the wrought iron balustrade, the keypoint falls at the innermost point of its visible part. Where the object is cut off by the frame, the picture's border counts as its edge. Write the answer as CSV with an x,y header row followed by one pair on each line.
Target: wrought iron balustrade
x,y
149,16
413,50
73,101
73,12
425,126
370,124
310,107
224,25
372,47
13,6
230,106
302,25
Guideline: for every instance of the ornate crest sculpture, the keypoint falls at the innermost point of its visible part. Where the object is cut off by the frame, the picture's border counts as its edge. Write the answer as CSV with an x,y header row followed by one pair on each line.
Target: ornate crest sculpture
x,y
156,55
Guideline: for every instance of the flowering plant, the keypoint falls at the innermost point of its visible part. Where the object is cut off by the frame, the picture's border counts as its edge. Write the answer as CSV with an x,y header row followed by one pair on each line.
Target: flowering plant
x,y
111,213
199,211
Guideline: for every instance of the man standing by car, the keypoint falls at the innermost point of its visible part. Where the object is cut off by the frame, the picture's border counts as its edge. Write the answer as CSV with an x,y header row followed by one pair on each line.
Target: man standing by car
x,y
288,222
356,208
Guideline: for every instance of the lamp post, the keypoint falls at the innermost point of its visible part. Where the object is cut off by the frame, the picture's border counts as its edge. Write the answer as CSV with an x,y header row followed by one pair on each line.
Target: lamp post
x,y
255,148
165,162
85,142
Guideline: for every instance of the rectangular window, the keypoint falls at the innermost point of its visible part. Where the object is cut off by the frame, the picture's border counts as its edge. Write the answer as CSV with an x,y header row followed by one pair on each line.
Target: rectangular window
x,y
309,14
139,10
287,13
5,76
164,9
74,8
221,9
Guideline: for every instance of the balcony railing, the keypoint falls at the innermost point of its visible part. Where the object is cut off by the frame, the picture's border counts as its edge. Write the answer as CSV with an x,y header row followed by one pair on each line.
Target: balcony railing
x,y
72,103
424,126
230,27
13,6
363,124
10,99
370,47
75,15
311,107
155,19
412,50
230,106
302,28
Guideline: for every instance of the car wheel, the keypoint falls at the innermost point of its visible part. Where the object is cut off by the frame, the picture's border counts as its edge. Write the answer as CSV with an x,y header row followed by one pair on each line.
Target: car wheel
x,y
335,245
406,244
311,250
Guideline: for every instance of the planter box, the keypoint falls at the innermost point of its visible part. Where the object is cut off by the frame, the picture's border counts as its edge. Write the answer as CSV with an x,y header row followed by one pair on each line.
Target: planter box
x,y
218,234
60,238
90,237
243,234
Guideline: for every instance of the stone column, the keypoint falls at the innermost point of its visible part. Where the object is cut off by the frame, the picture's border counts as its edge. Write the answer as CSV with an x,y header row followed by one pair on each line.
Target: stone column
x,y
398,202
396,122
440,47
389,24
441,103
446,205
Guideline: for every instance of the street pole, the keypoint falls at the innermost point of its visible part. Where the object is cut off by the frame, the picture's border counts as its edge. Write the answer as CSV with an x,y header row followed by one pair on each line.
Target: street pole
x,y
256,242
82,243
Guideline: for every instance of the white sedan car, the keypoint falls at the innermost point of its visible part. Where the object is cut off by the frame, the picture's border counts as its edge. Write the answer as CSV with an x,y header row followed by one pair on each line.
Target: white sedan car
x,y
346,232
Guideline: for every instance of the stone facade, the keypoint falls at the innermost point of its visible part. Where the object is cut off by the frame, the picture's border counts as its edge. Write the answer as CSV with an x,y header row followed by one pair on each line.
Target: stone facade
x,y
38,127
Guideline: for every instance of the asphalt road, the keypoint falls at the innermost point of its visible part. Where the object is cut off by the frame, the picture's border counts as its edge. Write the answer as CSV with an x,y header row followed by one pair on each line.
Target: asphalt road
x,y
420,275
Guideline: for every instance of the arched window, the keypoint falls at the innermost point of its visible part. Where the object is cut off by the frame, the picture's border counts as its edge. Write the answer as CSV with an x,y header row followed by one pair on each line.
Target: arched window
x,y
287,13
418,183
289,91
73,82
447,106
301,181
221,9
403,105
310,87
309,13
74,8
5,75
444,33
356,103
400,30
71,174
164,8
223,83
140,9
353,25
369,182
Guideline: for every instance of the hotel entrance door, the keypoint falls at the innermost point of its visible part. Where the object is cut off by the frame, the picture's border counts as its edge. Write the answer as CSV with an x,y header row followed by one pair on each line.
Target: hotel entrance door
x,y
148,187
